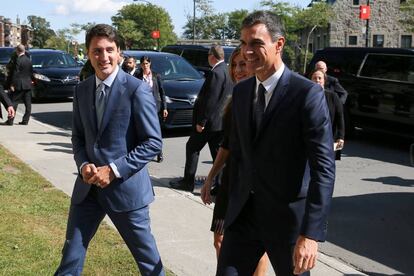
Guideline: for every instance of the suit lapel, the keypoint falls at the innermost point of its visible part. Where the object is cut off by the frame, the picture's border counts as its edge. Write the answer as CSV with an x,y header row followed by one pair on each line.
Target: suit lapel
x,y
275,101
90,87
113,100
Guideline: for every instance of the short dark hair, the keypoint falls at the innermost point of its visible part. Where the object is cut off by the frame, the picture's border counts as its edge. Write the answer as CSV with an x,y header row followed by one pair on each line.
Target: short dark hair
x,y
217,51
144,58
102,30
273,23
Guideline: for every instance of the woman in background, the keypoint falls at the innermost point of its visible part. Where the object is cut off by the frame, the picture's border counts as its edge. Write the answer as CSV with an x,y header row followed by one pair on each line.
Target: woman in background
x,y
238,72
154,80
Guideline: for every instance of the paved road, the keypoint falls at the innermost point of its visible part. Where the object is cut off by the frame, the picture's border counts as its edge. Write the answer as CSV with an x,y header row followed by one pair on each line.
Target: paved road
x,y
373,207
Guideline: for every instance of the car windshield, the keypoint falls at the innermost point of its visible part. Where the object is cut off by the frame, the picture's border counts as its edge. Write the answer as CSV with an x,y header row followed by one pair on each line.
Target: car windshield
x,y
5,54
171,67
43,60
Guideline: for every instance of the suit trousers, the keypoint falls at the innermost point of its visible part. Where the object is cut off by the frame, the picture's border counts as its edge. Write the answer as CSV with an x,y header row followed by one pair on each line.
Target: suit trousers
x,y
24,96
243,247
194,145
133,226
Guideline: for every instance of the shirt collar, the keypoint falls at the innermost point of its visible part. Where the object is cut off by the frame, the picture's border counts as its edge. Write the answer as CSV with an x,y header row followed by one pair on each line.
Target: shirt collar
x,y
215,65
271,82
109,80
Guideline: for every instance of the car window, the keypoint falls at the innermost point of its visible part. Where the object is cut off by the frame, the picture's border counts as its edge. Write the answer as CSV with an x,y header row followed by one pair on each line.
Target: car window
x,y
170,67
5,54
42,60
196,57
389,67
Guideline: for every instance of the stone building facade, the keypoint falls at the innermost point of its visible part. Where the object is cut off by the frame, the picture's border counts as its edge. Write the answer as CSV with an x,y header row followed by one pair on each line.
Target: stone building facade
x,y
348,30
13,34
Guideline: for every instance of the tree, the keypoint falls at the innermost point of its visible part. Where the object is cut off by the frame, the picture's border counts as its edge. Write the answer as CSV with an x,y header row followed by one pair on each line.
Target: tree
x,y
135,22
208,25
288,14
317,16
234,22
41,30
58,41
407,8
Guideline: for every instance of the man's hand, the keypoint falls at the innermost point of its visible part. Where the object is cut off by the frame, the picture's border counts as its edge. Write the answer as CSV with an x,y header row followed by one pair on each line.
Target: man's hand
x,y
199,128
88,171
12,88
304,255
10,112
103,177
164,114
205,192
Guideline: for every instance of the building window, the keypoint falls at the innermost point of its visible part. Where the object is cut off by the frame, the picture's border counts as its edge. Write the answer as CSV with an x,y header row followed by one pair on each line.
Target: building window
x,y
352,40
355,2
406,41
378,41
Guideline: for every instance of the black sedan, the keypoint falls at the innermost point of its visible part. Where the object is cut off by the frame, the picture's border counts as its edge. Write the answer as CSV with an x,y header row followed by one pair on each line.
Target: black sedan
x,y
56,73
181,84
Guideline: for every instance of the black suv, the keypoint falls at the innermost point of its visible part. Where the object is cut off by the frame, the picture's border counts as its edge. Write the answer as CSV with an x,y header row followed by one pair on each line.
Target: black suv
x,y
197,54
181,83
380,83
55,73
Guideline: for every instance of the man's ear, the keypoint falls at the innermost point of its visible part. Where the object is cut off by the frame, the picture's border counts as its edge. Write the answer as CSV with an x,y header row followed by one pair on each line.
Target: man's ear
x,y
280,43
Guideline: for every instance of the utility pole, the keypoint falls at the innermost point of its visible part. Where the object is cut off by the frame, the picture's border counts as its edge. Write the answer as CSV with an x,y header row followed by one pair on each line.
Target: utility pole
x,y
194,14
367,29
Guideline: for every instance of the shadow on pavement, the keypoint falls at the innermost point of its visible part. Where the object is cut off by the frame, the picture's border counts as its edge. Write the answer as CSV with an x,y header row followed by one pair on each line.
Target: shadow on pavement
x,y
59,119
387,148
58,147
376,226
392,180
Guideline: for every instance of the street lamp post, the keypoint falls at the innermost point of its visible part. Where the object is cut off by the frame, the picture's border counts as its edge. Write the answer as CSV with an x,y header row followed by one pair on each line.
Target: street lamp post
x,y
156,17
194,13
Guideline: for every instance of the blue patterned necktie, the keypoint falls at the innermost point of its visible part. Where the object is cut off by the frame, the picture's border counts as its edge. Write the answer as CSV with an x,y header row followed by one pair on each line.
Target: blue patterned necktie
x,y
100,102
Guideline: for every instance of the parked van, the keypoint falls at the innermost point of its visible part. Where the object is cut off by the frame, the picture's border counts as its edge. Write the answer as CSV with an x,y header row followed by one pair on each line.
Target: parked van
x,y
380,83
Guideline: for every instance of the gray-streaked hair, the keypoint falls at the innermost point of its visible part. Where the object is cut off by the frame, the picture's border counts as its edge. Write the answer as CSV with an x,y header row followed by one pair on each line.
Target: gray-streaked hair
x,y
273,23
102,30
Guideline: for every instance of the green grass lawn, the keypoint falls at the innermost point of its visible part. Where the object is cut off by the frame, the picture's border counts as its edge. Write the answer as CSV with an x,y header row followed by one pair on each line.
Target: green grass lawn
x,y
33,218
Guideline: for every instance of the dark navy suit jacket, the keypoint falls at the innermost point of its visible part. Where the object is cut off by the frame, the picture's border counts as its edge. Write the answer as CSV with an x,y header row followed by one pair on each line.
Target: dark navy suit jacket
x,y
288,166
129,136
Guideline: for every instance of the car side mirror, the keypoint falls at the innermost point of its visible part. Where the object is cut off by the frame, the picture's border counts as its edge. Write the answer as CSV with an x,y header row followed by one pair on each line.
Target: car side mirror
x,y
412,154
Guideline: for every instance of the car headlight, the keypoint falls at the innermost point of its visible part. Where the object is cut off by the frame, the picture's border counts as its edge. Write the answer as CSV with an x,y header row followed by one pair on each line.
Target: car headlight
x,y
41,77
168,100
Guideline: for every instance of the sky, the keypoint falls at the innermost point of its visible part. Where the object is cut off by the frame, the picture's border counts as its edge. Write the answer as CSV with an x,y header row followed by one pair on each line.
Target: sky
x,y
61,13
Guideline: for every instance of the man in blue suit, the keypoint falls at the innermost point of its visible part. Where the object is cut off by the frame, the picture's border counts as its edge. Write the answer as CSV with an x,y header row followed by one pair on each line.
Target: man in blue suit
x,y
115,134
283,167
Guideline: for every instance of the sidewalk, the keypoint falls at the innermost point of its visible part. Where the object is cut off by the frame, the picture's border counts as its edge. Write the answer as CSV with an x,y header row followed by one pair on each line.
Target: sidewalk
x,y
180,221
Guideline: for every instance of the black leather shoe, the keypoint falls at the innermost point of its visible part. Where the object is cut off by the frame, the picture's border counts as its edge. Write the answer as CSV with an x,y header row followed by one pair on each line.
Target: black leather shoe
x,y
9,123
182,185
23,123
160,157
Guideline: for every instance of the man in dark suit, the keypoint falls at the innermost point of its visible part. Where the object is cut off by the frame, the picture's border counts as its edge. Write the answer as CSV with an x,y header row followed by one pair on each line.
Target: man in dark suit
x,y
332,83
283,166
115,134
21,84
207,116
4,99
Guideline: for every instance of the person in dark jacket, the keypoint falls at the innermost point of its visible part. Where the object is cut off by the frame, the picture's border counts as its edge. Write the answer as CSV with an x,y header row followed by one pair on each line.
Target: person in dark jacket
x,y
154,80
207,117
4,99
332,83
335,112
21,84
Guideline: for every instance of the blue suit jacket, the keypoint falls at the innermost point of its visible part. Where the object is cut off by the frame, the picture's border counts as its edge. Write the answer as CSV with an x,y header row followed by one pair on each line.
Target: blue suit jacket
x,y
129,136
288,164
